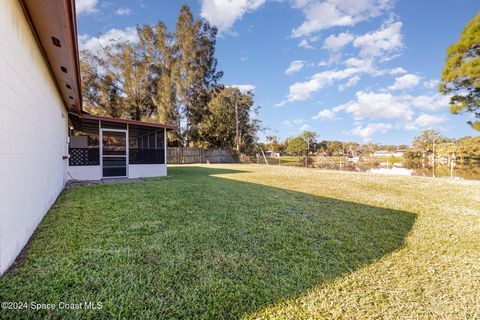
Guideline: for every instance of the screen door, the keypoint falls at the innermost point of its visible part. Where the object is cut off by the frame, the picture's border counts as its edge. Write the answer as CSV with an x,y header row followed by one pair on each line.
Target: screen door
x,y
114,153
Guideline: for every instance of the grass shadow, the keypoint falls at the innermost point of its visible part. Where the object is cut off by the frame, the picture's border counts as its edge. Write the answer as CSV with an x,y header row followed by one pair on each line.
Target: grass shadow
x,y
193,245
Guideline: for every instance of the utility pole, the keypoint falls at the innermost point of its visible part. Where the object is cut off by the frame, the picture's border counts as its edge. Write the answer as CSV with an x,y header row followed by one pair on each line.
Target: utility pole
x,y
451,166
308,149
237,137
433,159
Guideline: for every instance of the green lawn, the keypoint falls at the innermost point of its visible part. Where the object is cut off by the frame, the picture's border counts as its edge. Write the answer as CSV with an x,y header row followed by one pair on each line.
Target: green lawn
x,y
249,241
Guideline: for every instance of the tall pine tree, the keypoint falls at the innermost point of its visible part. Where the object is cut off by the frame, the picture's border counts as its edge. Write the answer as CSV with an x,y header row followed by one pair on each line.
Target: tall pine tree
x,y
168,78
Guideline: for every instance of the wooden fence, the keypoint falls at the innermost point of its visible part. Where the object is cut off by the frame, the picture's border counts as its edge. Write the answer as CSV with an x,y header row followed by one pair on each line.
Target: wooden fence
x,y
197,155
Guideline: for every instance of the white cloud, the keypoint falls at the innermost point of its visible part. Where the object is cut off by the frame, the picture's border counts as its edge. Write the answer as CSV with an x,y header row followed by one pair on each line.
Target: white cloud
x,y
431,84
244,87
300,3
292,123
110,37
328,114
301,91
357,63
319,16
334,58
123,11
364,66
295,66
305,44
381,105
335,43
382,42
298,122
373,105
86,6
400,111
304,127
428,103
398,70
405,82
324,14
224,13
425,120
350,83
368,131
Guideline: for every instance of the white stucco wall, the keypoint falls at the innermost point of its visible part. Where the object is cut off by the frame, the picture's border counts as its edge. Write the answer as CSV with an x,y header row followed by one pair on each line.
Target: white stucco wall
x,y
33,134
134,171
146,170
85,172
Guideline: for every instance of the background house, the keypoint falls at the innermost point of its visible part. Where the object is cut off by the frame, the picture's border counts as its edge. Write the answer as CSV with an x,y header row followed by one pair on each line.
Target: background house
x,y
388,154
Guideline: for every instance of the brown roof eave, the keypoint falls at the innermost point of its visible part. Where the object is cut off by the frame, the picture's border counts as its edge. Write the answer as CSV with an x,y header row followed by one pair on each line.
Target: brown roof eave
x,y
48,18
74,36
85,116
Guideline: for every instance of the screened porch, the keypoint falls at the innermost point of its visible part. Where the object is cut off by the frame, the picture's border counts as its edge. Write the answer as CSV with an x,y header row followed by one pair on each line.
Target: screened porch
x,y
101,147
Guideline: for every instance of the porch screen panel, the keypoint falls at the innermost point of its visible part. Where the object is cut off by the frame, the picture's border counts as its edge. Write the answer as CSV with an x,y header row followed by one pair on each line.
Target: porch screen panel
x,y
145,142
160,140
151,141
150,149
84,144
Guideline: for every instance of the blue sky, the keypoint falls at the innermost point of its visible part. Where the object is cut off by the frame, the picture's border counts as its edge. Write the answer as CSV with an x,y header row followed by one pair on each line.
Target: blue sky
x,y
351,70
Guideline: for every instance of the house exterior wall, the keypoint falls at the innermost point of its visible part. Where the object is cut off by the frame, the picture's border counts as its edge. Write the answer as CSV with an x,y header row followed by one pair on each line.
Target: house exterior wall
x,y
146,170
33,134
133,171
85,172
